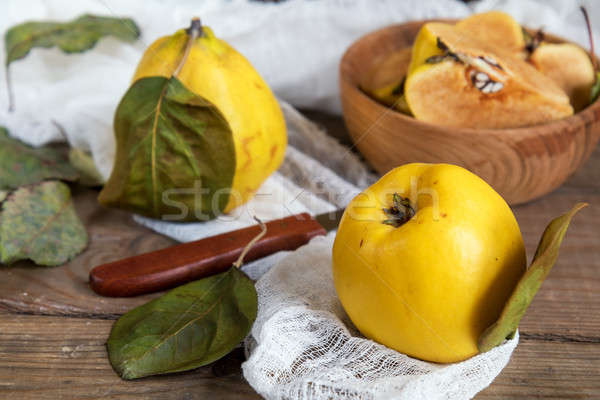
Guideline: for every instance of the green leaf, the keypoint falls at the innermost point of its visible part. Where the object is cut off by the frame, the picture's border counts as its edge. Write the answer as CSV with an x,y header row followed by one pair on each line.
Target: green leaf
x,y
24,165
521,297
175,153
595,91
84,164
39,223
3,195
190,326
71,37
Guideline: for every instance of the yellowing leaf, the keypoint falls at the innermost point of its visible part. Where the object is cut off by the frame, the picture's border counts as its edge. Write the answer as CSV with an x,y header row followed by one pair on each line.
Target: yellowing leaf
x,y
24,165
84,164
175,153
530,282
71,37
190,326
39,222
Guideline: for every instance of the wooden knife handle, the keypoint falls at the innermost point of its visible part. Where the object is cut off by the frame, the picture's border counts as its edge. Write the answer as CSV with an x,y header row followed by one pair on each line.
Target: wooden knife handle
x,y
173,266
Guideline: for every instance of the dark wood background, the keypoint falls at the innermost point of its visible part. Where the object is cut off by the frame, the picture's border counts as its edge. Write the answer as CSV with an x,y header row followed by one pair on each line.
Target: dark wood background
x,y
53,328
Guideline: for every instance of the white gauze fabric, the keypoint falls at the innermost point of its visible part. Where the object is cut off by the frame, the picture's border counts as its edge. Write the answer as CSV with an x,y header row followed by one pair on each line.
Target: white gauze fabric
x,y
303,345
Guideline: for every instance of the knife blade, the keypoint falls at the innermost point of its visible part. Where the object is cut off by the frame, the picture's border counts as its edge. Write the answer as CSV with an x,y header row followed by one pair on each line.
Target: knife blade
x,y
172,266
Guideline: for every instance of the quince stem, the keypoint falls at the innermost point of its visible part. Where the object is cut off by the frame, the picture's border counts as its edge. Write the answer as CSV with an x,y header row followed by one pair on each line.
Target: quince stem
x,y
263,230
194,32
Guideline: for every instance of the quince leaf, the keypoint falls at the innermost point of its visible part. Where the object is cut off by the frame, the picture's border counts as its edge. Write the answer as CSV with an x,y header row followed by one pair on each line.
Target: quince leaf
x,y
21,164
175,153
71,37
525,290
84,164
188,327
39,222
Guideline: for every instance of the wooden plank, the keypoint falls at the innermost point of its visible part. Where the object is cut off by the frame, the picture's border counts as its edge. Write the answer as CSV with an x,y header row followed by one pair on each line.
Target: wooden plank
x,y
550,370
64,358
569,300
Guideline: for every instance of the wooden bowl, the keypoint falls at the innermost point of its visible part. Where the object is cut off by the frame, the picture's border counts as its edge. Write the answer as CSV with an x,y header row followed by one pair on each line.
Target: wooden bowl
x,y
520,163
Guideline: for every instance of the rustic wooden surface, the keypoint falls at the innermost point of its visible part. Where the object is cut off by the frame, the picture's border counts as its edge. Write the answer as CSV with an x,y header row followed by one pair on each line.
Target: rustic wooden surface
x,y
53,328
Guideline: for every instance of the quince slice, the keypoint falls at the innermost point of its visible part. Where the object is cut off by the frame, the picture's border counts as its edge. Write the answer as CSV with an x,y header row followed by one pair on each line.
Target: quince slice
x,y
570,67
458,80
385,82
495,27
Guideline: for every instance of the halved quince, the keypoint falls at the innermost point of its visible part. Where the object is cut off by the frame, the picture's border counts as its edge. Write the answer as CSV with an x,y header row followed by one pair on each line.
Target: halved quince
x,y
494,27
456,79
385,82
570,67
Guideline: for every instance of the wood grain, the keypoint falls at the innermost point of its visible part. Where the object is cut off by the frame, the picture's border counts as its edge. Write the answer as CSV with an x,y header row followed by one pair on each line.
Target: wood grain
x,y
65,290
522,164
62,358
60,353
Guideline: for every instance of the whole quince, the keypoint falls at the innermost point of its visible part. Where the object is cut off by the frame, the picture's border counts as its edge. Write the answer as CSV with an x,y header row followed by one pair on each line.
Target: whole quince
x,y
425,259
198,129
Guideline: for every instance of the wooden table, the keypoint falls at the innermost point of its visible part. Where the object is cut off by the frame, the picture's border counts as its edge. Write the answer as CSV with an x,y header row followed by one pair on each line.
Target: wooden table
x,y
53,329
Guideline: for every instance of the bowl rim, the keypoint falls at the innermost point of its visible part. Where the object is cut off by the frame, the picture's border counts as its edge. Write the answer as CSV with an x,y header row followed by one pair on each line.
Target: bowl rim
x,y
585,115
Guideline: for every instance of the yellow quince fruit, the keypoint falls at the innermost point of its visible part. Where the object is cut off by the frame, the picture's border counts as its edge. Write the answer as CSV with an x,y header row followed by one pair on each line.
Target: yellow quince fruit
x,y
197,132
425,259
570,67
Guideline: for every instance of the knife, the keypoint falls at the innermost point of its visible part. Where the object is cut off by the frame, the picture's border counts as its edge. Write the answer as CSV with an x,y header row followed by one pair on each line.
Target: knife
x,y
182,263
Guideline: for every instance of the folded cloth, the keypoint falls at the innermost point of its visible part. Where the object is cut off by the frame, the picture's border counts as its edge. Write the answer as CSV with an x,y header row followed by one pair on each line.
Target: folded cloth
x,y
304,346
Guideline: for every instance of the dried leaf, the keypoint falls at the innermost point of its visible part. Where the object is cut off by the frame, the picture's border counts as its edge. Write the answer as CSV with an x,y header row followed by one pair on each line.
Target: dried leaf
x,y
175,153
84,164
39,223
71,37
190,326
543,261
24,165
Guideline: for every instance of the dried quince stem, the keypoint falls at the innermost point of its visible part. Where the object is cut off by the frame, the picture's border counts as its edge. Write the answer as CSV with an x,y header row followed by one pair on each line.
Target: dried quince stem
x,y
238,263
194,32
